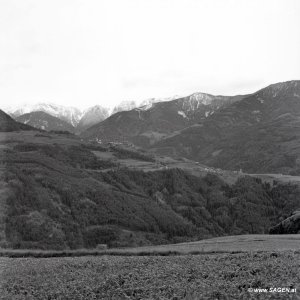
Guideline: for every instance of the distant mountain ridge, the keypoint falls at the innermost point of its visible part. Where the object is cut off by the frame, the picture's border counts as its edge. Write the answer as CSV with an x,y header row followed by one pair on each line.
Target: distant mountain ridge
x,y
145,104
71,115
83,119
155,120
79,119
124,106
259,133
44,121
92,116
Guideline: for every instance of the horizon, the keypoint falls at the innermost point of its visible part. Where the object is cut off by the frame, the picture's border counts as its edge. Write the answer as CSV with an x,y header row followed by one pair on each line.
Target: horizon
x,y
80,54
9,109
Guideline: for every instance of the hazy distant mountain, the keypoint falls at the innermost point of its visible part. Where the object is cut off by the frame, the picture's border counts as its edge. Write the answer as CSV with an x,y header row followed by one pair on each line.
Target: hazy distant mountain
x,y
42,120
9,124
124,106
81,120
146,104
154,120
260,133
92,116
71,115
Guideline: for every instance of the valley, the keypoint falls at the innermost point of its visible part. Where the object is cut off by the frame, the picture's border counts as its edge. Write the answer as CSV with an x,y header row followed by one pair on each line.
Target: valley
x,y
57,181
195,180
150,150
255,133
115,203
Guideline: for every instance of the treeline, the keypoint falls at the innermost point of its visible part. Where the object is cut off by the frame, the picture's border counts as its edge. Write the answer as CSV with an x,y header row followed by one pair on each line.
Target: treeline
x,y
60,199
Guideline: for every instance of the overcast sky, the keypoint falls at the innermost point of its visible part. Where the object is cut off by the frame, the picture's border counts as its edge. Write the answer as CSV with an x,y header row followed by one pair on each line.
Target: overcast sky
x,y
86,52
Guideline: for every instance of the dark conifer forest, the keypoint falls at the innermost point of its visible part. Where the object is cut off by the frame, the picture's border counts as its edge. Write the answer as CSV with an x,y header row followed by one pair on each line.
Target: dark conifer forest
x,y
61,196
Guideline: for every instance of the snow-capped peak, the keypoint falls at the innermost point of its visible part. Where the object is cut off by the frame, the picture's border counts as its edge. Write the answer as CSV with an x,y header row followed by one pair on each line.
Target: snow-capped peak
x,y
124,106
70,114
148,103
202,98
93,115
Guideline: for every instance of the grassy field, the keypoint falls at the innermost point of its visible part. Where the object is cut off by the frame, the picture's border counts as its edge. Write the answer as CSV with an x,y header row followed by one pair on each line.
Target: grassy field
x,y
217,268
219,245
239,243
215,276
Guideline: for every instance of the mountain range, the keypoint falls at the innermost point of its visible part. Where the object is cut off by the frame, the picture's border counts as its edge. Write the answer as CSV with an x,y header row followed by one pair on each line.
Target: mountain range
x,y
259,133
147,124
63,191
78,119
71,115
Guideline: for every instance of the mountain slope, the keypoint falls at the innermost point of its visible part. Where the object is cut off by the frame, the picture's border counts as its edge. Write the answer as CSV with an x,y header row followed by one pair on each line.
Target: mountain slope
x,y
260,133
92,116
42,120
149,123
9,124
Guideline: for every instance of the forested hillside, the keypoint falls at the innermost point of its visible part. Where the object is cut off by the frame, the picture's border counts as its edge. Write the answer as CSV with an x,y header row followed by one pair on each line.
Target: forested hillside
x,y
58,194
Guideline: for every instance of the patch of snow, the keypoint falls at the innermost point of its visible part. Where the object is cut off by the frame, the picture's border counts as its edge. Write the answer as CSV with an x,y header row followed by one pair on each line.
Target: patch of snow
x,y
139,114
181,113
146,107
296,95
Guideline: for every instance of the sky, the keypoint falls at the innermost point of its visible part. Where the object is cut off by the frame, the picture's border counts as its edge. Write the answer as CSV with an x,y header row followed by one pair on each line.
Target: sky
x,y
86,52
